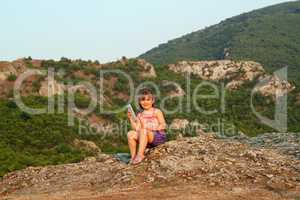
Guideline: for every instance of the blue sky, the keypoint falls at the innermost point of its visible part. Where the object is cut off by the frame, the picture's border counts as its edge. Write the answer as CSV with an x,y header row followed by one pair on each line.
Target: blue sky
x,y
105,29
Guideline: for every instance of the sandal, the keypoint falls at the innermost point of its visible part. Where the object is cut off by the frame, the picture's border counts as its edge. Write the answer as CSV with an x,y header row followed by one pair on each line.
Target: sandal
x,y
137,160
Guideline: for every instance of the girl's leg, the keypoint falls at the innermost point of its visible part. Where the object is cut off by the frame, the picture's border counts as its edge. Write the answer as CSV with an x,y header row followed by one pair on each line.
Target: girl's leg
x,y
144,138
132,137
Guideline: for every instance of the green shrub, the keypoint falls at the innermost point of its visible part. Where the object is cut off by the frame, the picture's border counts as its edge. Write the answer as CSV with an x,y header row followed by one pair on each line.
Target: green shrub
x,y
82,101
35,140
12,77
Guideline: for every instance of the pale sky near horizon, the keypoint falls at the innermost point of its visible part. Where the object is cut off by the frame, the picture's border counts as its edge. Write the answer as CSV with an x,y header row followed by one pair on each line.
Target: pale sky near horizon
x,y
108,29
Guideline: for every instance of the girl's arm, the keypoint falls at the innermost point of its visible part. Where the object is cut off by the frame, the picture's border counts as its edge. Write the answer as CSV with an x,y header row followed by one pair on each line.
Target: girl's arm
x,y
161,120
135,124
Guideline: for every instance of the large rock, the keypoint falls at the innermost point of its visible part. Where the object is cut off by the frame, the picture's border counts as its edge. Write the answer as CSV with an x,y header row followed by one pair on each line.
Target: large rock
x,y
235,73
52,85
7,68
202,161
286,143
220,69
148,70
275,87
178,124
176,90
19,65
6,88
86,145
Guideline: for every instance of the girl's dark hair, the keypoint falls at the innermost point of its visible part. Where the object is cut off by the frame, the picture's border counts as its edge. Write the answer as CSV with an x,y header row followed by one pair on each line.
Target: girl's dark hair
x,y
142,93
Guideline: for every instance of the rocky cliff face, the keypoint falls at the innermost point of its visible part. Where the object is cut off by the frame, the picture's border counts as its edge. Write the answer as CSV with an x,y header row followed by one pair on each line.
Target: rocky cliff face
x,y
275,86
220,69
52,85
235,73
7,68
223,167
147,69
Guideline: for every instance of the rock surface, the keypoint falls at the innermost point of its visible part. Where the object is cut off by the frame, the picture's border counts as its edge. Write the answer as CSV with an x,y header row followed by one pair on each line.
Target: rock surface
x,y
86,145
197,165
148,70
178,124
236,73
285,143
51,88
176,90
275,86
220,69
7,68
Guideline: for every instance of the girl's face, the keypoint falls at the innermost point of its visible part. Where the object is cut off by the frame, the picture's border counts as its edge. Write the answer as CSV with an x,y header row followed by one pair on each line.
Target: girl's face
x,y
147,102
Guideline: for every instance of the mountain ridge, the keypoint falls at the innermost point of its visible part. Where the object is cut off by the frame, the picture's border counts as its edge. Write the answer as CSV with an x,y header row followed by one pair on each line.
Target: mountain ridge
x,y
268,36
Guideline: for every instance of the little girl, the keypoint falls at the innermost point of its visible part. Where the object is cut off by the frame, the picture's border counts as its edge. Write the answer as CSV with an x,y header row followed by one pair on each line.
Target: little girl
x,y
149,128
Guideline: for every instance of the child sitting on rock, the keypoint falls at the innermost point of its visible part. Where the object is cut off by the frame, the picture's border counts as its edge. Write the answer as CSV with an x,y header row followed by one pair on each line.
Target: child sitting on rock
x,y
149,127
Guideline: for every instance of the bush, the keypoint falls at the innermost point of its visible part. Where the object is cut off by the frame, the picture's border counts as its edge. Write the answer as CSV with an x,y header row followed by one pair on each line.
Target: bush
x,y
35,140
12,77
82,101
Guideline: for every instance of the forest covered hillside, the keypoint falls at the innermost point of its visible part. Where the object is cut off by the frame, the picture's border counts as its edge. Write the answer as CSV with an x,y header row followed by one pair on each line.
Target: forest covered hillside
x,y
269,36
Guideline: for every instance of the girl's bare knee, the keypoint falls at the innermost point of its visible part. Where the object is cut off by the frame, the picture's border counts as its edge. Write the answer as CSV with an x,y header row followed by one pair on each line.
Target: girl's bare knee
x,y
131,135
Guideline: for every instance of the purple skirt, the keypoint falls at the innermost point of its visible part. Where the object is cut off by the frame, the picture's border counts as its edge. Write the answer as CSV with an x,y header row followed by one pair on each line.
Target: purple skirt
x,y
160,137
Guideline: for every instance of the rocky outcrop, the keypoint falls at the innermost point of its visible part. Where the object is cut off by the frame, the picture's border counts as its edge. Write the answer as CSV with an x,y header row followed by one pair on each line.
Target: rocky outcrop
x,y
6,88
203,160
7,68
148,70
54,87
124,61
178,124
235,74
274,86
220,69
18,67
176,90
285,143
86,145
